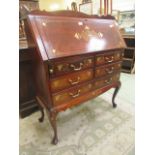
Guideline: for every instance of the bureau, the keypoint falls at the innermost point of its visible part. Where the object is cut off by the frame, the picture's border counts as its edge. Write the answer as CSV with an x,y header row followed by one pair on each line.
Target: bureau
x,y
77,58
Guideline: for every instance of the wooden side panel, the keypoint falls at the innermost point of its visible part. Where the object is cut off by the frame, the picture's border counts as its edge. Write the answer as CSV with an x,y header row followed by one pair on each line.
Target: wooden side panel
x,y
40,70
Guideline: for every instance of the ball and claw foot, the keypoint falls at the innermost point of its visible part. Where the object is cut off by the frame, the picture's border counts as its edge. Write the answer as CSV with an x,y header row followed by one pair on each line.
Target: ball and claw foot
x,y
55,141
114,105
41,119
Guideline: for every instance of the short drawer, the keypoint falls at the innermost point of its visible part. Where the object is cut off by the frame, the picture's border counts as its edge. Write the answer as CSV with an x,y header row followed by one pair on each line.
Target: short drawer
x,y
106,81
107,69
72,64
71,93
108,57
71,79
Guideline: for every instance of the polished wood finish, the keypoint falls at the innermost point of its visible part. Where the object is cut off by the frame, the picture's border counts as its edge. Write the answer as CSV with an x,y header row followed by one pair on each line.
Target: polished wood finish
x,y
69,52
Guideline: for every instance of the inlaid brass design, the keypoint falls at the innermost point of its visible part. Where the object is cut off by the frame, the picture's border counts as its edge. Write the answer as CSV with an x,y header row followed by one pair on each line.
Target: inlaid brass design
x,y
55,83
60,67
88,73
118,55
99,58
100,34
87,34
89,61
90,85
119,65
57,97
77,36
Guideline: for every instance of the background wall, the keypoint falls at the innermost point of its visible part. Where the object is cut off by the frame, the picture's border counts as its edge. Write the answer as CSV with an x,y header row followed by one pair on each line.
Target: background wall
x,y
51,5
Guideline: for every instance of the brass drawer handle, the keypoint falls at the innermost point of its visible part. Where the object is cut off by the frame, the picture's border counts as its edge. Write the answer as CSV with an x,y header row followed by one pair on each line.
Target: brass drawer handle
x,y
74,82
108,81
75,95
109,59
109,71
78,68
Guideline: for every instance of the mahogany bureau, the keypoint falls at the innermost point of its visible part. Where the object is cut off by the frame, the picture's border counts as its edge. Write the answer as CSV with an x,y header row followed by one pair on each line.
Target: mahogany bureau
x,y
77,58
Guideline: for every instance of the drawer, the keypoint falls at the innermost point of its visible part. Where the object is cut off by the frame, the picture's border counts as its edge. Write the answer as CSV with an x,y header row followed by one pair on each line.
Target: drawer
x,y
107,69
71,93
71,64
108,57
106,81
71,79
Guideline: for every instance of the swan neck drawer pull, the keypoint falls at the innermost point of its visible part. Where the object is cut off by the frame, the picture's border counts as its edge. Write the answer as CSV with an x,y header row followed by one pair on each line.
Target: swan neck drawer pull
x,y
76,68
75,95
74,82
110,70
109,59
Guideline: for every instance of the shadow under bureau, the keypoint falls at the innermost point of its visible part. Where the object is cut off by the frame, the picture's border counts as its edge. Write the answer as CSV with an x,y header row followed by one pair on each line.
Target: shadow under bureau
x,y
77,58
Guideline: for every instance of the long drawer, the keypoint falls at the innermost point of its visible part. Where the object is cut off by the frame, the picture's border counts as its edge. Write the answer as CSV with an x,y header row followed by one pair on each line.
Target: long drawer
x,y
79,90
108,57
71,79
107,69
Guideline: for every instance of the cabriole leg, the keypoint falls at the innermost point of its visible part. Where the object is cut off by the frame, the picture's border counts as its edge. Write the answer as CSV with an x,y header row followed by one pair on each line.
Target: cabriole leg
x,y
52,118
41,119
115,93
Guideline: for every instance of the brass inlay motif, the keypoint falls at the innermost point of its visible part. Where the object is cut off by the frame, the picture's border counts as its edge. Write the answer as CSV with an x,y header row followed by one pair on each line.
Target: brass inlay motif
x,y
90,85
89,61
88,73
77,36
57,97
100,34
99,58
55,83
118,55
119,65
87,34
86,27
60,67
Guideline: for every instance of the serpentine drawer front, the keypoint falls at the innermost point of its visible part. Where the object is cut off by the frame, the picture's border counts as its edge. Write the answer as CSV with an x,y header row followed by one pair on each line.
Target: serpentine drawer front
x,y
72,65
71,79
77,58
71,93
